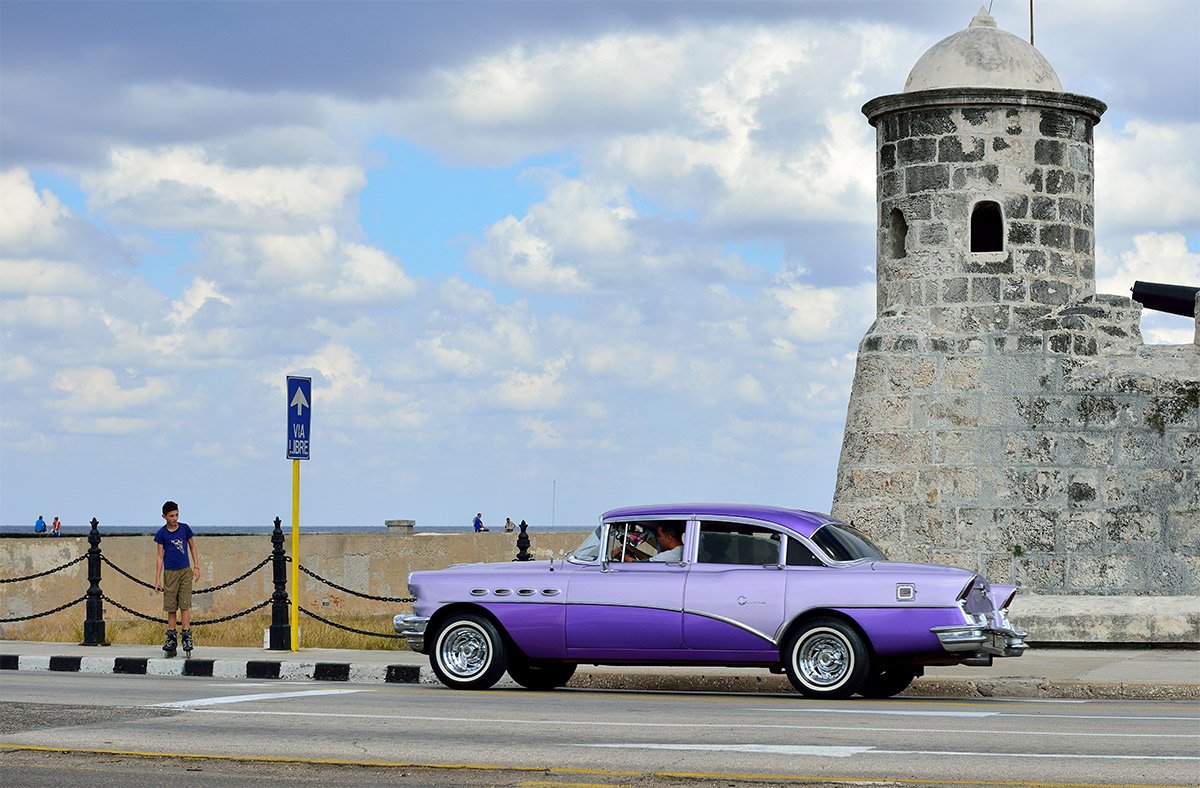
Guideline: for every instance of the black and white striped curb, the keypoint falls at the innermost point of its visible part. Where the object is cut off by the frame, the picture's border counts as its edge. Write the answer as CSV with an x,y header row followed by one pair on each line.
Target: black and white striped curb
x,y
221,668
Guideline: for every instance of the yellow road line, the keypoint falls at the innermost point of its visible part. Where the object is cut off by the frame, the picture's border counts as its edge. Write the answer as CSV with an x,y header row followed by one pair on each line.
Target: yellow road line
x,y
557,770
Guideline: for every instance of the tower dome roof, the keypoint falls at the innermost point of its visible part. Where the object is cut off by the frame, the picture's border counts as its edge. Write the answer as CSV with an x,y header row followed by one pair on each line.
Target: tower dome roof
x,y
982,56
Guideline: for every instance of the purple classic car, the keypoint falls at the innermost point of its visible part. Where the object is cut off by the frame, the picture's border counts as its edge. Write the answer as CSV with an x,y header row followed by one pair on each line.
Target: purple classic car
x,y
711,584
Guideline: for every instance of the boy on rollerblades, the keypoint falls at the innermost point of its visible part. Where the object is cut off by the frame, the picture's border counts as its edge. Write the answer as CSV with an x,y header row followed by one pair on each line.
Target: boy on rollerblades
x,y
173,576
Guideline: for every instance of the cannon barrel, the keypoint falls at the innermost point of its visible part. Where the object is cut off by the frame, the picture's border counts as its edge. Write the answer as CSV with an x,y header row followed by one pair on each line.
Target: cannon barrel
x,y
1174,299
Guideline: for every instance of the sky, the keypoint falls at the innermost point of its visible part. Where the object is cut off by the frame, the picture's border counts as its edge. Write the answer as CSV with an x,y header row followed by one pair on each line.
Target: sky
x,y
540,259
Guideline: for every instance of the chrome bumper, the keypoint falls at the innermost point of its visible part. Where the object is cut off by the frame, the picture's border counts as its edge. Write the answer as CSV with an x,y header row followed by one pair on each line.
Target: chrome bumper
x,y
412,629
981,641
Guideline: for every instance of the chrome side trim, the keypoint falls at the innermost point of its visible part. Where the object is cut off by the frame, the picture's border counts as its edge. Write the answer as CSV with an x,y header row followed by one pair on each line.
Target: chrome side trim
x,y
731,622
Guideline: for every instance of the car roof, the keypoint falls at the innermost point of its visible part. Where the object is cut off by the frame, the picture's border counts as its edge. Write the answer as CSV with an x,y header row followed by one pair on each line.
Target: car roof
x,y
801,521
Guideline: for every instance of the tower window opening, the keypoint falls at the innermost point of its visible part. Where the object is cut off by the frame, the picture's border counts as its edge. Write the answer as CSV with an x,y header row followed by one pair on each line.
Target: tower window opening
x,y
897,234
987,228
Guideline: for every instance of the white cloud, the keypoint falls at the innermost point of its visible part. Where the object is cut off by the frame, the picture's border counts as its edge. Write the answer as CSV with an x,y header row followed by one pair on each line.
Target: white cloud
x,y
750,390
543,390
1147,176
316,266
29,220
542,433
97,390
1155,257
194,297
814,314
47,277
188,187
514,254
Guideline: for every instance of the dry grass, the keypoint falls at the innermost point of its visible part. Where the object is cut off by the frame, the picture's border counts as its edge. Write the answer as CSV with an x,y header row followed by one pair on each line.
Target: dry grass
x,y
244,632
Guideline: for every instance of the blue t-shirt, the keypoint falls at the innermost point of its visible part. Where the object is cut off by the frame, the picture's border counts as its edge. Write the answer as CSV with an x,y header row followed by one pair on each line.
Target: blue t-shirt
x,y
175,546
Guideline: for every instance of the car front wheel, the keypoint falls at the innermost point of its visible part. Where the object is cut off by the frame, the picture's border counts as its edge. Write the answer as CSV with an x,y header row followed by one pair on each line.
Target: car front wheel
x,y
468,653
535,675
826,658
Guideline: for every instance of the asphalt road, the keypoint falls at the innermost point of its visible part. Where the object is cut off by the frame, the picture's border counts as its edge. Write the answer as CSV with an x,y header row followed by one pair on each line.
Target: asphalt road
x,y
301,731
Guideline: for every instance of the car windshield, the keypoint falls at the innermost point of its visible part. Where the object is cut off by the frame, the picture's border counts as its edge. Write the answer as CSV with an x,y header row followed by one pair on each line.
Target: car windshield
x,y
843,542
590,549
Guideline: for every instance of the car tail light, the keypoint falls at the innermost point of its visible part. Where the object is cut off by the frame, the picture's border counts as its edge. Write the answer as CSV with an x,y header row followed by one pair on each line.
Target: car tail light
x,y
966,591
1008,600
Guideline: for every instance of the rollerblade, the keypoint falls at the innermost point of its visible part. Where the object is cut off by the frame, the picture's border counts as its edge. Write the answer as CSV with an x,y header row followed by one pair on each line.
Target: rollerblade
x,y
171,643
187,642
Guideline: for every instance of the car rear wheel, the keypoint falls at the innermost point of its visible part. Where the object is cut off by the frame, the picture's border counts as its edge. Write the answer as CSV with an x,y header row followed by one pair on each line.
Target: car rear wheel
x,y
826,658
535,675
468,653
889,682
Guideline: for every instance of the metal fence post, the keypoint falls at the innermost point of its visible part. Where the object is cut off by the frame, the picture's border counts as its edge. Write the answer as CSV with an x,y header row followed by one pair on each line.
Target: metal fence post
x,y
280,636
93,624
523,543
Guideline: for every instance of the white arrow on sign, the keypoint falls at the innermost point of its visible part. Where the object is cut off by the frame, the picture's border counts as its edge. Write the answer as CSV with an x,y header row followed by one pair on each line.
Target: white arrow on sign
x,y
300,402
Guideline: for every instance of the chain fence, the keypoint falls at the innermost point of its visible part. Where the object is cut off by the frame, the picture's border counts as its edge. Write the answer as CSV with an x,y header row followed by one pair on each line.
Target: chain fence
x,y
42,574
232,582
94,624
58,609
332,584
352,592
195,623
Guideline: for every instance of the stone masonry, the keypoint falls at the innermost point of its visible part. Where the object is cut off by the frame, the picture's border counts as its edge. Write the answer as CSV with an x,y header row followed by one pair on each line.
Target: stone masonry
x,y
1003,416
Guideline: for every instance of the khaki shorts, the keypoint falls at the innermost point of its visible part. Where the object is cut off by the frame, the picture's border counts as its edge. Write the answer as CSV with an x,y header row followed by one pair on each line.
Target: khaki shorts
x,y
177,589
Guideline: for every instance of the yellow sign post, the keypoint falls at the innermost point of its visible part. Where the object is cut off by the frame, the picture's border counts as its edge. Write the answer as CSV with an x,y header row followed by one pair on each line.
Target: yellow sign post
x,y
299,399
295,555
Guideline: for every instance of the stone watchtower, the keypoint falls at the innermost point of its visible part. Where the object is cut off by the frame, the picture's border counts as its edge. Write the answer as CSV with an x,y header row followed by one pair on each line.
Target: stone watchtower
x,y
1003,416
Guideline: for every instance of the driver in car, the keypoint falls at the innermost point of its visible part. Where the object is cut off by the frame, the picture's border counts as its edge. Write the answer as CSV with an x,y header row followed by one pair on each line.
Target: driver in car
x,y
669,538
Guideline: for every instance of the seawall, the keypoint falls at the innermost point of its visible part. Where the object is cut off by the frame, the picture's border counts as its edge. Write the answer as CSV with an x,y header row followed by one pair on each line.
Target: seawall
x,y
376,564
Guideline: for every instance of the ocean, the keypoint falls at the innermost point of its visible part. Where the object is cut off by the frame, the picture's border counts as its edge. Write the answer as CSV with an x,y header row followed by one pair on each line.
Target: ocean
x,y
212,530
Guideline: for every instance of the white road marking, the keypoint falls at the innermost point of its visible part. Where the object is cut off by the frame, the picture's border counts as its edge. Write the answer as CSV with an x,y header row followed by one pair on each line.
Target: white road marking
x,y
845,752
897,712
191,704
900,713
705,725
767,749
229,684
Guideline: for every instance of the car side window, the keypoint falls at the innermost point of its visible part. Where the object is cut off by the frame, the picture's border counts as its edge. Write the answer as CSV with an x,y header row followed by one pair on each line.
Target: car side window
x,y
656,541
798,554
737,543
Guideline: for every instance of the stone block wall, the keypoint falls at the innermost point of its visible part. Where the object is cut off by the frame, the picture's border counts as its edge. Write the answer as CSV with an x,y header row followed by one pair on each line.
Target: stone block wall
x,y
1064,455
935,164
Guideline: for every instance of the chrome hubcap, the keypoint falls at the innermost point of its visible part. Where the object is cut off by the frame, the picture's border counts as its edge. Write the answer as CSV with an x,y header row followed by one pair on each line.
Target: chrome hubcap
x,y
823,659
465,651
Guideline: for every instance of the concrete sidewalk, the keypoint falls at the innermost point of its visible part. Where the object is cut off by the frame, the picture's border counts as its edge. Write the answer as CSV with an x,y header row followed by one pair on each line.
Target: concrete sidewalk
x,y
1158,674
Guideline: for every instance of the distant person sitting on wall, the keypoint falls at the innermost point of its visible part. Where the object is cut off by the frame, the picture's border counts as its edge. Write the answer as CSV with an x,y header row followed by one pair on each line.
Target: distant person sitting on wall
x,y
509,525
56,527
479,526
39,527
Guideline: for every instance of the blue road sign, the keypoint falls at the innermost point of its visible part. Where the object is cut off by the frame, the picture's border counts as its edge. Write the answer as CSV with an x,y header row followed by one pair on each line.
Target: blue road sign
x,y
299,398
